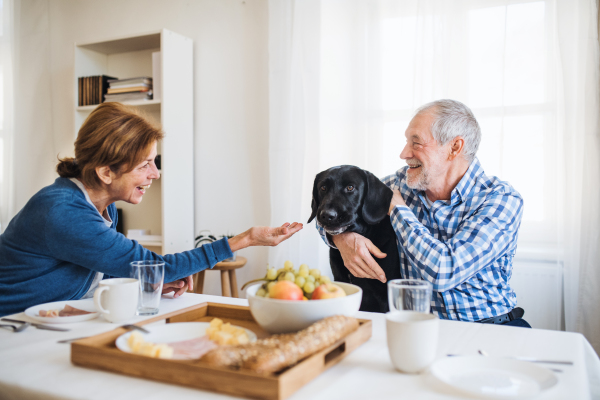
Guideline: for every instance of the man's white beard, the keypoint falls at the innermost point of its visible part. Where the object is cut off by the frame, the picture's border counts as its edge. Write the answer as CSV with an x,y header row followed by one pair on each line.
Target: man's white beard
x,y
419,182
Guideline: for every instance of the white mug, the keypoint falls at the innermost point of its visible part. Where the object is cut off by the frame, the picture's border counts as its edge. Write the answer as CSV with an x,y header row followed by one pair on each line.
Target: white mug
x,y
119,303
412,340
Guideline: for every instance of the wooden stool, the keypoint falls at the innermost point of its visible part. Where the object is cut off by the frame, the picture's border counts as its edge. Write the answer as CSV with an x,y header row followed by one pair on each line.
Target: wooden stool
x,y
228,279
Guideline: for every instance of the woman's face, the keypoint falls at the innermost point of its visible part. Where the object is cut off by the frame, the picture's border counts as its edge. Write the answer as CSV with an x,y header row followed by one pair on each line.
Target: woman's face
x,y
130,187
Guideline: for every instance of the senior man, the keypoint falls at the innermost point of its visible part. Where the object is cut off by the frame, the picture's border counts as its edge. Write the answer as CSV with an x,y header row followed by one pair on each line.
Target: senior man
x,y
456,227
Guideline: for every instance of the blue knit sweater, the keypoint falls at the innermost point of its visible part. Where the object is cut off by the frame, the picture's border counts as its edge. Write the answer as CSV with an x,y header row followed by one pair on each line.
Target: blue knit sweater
x,y
53,247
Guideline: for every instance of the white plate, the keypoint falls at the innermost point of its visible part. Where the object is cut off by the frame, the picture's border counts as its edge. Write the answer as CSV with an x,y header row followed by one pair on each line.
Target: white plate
x,y
86,305
494,377
174,332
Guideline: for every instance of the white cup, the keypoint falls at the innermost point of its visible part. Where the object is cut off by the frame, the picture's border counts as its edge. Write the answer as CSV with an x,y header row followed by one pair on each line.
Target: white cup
x,y
117,299
412,340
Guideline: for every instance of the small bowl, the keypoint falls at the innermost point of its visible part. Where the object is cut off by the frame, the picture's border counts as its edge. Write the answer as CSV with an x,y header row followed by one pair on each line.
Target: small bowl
x,y
283,316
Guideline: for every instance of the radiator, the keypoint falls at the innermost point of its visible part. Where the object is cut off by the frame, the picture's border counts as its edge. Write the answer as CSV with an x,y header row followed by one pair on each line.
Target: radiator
x,y
538,288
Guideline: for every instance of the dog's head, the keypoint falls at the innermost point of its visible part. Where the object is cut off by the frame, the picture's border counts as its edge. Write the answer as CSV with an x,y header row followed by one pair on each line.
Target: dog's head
x,y
347,195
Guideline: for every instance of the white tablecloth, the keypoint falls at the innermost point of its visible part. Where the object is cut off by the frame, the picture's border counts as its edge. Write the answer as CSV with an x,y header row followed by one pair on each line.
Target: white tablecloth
x,y
34,366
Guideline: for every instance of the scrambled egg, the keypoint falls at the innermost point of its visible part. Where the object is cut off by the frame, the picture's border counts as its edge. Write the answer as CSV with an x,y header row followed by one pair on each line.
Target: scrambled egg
x,y
226,334
138,345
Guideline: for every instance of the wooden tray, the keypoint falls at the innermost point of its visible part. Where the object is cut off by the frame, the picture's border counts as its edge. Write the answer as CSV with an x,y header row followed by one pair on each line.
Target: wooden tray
x,y
100,352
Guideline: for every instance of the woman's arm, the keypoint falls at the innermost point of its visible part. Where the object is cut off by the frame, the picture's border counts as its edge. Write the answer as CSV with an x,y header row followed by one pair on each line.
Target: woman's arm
x,y
264,236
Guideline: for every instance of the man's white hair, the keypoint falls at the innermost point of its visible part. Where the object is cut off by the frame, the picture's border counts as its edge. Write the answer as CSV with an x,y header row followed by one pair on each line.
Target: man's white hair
x,y
452,119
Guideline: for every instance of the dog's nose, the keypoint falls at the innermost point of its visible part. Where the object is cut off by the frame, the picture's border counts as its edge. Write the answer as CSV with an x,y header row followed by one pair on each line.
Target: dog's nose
x,y
328,215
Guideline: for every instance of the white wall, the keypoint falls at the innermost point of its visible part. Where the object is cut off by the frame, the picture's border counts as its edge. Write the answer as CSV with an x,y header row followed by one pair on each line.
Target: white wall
x,y
230,99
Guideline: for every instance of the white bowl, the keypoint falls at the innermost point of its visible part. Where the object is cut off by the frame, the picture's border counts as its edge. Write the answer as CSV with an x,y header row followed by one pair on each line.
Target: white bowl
x,y
282,316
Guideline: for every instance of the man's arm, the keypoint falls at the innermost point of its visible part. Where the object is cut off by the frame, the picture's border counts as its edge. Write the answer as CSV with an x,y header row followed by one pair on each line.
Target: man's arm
x,y
479,240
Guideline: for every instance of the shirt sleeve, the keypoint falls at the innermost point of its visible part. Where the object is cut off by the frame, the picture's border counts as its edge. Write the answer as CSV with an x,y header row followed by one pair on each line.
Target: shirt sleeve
x,y
480,239
77,234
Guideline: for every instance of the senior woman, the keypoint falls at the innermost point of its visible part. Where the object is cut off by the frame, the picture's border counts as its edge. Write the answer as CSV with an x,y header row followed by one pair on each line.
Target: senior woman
x,y
62,243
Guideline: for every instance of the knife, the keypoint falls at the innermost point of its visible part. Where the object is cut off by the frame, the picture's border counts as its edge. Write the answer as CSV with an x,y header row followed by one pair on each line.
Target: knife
x,y
38,326
530,359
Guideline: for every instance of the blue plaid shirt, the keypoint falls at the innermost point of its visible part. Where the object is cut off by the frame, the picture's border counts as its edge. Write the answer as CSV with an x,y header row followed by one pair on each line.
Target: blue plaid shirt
x,y
464,247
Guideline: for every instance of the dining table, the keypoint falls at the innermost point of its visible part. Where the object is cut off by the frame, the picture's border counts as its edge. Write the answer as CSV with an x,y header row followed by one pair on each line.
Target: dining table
x,y
34,365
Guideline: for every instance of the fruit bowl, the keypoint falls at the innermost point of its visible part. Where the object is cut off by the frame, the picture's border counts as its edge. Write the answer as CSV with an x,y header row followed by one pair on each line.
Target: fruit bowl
x,y
283,316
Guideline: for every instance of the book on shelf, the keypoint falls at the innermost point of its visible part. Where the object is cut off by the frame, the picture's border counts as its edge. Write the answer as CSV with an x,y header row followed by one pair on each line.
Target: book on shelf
x,y
129,96
129,85
139,80
92,89
128,89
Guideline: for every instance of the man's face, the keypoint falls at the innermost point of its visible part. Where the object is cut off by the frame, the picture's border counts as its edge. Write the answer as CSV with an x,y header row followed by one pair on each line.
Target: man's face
x,y
425,157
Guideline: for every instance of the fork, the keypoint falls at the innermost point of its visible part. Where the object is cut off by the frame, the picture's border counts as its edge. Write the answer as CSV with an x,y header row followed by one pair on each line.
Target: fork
x,y
139,328
485,354
16,328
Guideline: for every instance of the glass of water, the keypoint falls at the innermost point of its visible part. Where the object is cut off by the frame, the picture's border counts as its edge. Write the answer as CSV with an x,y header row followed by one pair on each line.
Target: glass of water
x,y
409,295
150,275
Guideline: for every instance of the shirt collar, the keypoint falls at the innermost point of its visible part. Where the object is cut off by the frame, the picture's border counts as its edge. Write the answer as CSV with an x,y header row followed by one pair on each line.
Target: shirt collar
x,y
465,185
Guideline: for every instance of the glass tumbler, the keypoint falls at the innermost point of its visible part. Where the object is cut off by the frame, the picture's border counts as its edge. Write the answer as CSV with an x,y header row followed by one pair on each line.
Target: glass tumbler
x,y
150,275
409,295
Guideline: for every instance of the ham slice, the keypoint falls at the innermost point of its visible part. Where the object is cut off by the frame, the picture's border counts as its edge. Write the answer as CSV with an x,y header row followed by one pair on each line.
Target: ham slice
x,y
68,311
192,348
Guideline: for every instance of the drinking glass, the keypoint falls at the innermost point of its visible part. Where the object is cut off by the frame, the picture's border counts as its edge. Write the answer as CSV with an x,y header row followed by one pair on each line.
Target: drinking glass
x,y
409,295
150,275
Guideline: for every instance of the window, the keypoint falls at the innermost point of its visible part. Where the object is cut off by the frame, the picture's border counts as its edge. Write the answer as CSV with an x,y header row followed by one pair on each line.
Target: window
x,y
382,62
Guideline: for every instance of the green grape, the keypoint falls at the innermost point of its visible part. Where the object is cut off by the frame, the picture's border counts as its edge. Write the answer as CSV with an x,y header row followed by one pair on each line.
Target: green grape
x,y
317,284
303,267
310,278
288,265
309,287
261,292
303,272
270,285
300,281
315,272
271,274
289,276
280,270
324,279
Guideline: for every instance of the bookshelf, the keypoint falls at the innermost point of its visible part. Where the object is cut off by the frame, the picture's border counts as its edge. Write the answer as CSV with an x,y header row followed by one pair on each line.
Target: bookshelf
x,y
168,206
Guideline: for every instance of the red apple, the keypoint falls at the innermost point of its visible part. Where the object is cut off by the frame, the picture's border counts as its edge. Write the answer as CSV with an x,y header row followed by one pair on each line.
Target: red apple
x,y
286,290
328,291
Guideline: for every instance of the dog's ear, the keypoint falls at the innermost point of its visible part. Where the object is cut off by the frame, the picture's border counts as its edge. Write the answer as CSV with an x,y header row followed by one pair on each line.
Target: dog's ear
x,y
315,197
376,203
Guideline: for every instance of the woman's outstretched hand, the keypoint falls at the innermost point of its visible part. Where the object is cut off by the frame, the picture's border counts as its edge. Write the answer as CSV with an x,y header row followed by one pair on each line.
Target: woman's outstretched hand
x,y
264,236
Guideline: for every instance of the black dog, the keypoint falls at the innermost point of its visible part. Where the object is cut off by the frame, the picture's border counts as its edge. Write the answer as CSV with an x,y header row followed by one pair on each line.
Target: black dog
x,y
349,199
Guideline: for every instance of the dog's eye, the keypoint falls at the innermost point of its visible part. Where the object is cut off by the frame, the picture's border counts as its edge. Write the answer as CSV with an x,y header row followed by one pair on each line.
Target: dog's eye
x,y
349,188
323,188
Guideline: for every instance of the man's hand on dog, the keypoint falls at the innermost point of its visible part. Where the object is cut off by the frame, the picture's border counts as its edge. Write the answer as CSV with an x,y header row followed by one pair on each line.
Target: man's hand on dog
x,y
356,252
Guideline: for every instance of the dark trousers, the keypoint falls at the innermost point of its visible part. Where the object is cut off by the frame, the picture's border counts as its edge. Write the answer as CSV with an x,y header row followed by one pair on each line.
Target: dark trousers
x,y
518,322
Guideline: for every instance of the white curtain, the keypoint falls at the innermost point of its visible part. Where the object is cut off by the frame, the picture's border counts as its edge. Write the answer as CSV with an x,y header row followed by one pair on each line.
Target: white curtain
x,y
7,61
294,125
528,69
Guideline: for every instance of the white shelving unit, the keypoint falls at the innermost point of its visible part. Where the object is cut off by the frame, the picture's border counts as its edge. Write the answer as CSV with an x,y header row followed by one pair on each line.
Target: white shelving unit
x,y
168,206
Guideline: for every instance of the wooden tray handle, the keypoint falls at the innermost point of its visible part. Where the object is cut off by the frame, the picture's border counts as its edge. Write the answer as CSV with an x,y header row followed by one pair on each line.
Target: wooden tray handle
x,y
335,354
